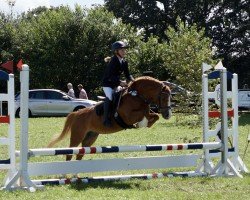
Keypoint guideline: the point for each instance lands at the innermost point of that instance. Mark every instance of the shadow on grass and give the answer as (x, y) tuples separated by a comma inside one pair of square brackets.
[(106, 184), (246, 174), (244, 118)]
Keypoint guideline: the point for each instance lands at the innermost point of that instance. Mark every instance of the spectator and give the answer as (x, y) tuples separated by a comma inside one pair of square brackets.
[(71, 91), (82, 92)]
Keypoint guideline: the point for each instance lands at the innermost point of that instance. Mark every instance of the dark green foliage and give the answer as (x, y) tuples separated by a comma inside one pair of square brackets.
[(6, 37), (63, 45), (225, 22)]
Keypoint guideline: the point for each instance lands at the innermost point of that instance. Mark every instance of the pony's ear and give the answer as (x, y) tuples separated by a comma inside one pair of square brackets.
[(168, 85)]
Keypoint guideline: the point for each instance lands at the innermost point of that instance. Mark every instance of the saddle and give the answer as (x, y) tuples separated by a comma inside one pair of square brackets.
[(99, 107)]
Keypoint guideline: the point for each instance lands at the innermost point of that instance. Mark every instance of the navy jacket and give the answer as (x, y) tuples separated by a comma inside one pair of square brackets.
[(113, 72)]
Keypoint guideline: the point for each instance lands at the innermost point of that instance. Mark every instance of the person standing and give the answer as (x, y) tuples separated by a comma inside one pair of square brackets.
[(111, 79), (71, 91), (82, 92)]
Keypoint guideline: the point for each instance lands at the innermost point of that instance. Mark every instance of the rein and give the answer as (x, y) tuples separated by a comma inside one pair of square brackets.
[(147, 101)]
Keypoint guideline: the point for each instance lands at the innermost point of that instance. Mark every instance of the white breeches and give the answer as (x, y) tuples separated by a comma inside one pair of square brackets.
[(109, 91)]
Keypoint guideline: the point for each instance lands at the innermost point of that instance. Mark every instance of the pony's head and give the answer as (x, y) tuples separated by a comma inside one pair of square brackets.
[(164, 102), (151, 90)]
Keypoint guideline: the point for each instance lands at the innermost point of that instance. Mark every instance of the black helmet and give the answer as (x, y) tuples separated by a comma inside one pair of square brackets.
[(118, 45)]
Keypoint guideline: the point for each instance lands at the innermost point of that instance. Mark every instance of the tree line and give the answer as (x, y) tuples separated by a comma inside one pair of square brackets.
[(226, 22), (62, 45)]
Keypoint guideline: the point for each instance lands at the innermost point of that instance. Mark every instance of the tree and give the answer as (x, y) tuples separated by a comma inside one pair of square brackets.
[(156, 15), (149, 56), (225, 22), (62, 46), (6, 38), (186, 50), (229, 29), (69, 46)]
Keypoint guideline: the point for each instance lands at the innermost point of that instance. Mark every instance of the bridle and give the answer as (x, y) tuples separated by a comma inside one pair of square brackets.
[(147, 101), (168, 107)]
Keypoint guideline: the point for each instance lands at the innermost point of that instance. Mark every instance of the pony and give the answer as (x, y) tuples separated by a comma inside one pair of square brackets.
[(133, 110)]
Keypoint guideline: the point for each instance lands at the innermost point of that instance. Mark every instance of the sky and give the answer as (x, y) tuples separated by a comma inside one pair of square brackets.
[(25, 5)]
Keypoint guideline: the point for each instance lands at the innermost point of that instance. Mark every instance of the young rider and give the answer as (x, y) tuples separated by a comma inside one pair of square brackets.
[(111, 79)]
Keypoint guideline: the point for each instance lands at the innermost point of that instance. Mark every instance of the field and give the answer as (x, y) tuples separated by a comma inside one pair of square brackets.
[(177, 130)]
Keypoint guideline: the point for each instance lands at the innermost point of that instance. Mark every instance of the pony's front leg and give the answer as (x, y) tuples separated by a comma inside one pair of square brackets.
[(152, 118)]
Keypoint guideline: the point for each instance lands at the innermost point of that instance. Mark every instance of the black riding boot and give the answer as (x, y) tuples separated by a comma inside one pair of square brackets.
[(107, 121)]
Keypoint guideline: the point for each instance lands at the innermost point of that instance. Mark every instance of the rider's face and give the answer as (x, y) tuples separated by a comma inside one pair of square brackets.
[(121, 52)]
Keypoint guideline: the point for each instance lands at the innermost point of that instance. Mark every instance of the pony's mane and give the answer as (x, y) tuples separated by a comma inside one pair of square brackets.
[(144, 78)]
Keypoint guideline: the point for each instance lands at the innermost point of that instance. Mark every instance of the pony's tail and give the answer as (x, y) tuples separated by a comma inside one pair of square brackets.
[(65, 131)]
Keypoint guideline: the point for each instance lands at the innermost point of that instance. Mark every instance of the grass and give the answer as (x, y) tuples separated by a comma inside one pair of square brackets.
[(41, 130)]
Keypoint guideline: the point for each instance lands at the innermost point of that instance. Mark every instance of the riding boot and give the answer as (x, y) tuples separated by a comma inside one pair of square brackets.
[(107, 121)]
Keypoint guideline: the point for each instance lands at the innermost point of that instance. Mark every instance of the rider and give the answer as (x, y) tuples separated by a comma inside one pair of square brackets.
[(111, 79)]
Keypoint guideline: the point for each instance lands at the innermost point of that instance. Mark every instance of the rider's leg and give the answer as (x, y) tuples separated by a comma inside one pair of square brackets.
[(107, 103)]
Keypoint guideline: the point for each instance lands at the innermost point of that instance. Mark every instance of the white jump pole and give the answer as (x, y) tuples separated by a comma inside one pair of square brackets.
[(120, 149)]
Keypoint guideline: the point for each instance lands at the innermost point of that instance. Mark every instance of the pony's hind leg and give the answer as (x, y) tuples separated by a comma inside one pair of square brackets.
[(77, 136), (89, 139)]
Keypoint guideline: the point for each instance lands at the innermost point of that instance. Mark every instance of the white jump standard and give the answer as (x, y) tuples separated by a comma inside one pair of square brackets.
[(19, 175), (8, 118)]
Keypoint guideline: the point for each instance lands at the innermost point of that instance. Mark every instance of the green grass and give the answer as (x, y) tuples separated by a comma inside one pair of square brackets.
[(41, 130)]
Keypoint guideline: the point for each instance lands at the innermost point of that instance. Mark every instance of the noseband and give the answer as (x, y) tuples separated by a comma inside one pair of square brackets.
[(147, 101)]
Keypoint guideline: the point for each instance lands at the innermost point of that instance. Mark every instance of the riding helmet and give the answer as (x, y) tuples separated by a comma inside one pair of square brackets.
[(118, 45)]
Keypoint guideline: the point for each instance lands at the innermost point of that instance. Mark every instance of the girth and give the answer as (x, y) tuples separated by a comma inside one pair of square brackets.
[(121, 123)]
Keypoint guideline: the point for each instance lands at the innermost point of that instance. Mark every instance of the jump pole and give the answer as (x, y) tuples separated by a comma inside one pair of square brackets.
[(99, 179), (119, 149)]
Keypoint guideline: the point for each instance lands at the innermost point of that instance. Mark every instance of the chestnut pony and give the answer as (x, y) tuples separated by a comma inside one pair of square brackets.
[(85, 125)]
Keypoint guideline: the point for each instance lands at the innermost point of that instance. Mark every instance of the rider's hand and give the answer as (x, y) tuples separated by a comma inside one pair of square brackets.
[(123, 84)]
